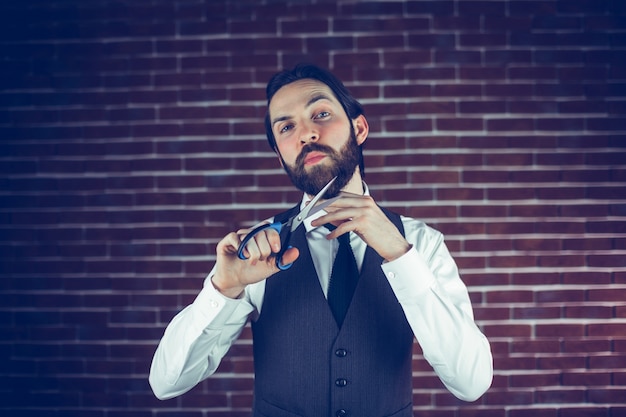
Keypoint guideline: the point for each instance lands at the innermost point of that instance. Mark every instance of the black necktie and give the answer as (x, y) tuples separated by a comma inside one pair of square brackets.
[(343, 278)]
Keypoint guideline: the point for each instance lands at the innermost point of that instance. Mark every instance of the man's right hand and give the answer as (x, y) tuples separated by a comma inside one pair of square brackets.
[(232, 274)]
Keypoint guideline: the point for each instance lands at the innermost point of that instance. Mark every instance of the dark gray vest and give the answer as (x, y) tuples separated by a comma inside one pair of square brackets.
[(306, 366)]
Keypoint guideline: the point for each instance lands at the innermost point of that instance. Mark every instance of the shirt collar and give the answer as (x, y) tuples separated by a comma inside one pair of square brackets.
[(306, 198)]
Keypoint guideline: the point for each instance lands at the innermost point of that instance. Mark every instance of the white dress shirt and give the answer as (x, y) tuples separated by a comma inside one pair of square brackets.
[(425, 280)]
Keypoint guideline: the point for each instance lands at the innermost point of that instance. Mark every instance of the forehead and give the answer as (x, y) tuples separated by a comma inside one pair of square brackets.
[(298, 94)]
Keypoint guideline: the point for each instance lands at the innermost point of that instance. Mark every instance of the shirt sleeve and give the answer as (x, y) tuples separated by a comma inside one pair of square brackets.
[(437, 307), (196, 340)]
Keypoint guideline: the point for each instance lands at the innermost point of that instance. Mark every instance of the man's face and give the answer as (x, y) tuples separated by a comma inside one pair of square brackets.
[(314, 137)]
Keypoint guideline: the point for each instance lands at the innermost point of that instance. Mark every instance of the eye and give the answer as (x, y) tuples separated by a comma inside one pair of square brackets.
[(286, 128), (322, 115)]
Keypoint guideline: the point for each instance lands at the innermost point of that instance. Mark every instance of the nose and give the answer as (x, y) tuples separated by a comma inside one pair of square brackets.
[(309, 134)]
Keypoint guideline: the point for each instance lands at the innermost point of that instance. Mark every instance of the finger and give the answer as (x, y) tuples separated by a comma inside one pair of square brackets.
[(273, 238), (351, 200), (337, 217), (234, 240), (262, 240), (290, 256), (230, 243), (251, 250), (341, 229)]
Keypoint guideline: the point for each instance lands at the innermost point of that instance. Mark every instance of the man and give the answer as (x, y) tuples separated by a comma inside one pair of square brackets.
[(309, 361)]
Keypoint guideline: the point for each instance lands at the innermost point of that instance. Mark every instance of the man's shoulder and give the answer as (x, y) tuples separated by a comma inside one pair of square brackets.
[(417, 225)]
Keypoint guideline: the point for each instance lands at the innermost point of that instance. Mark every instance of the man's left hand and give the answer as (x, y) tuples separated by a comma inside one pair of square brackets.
[(360, 214)]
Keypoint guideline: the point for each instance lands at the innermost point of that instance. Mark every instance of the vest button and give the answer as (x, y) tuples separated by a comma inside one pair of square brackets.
[(341, 413), (341, 382), (341, 353)]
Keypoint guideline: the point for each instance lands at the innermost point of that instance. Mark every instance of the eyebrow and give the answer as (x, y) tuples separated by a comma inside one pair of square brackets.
[(311, 101)]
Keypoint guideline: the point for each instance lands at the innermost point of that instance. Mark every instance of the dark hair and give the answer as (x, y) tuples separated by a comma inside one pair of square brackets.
[(308, 71)]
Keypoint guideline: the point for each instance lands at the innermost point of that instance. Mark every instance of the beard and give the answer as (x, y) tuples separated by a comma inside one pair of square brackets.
[(342, 165)]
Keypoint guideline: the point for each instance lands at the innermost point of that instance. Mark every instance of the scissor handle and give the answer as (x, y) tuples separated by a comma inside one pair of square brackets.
[(278, 226)]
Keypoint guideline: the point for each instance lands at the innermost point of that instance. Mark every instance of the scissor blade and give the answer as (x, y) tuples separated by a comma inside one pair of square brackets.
[(307, 211), (321, 206)]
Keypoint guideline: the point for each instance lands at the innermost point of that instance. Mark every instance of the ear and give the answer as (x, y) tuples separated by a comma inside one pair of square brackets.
[(361, 128)]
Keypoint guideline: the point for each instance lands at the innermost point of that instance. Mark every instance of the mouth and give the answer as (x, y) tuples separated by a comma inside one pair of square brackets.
[(313, 158)]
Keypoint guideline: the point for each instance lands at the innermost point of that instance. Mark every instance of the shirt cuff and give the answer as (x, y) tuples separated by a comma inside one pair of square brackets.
[(409, 275), (214, 308)]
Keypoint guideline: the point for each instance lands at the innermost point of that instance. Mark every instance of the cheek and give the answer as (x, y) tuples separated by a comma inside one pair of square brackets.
[(338, 137), (288, 152)]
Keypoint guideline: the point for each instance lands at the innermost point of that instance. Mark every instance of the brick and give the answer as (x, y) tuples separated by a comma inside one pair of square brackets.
[(510, 397), (607, 362), (512, 261), (536, 346), (536, 278), (408, 124), (454, 124), (388, 41), (606, 329), (537, 244), (373, 8), (431, 108), (309, 26), (560, 330), (489, 313), (561, 261), (359, 24), (485, 176), (589, 312), (459, 193), (602, 295), (424, 41), (543, 106), (536, 313), (469, 262), (616, 260), (584, 210), (496, 194), (586, 378), (457, 90), (402, 59), (535, 412), (457, 57), (584, 412), (508, 90), (514, 363), (560, 396), (586, 278), (431, 212), (611, 395), (507, 331), (535, 379), (605, 227), (458, 160), (484, 211), (569, 295), (407, 91)]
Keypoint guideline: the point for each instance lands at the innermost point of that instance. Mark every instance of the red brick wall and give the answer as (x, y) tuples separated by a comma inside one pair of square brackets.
[(132, 141)]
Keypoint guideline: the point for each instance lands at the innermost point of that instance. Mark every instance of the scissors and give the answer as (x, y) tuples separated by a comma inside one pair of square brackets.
[(292, 224)]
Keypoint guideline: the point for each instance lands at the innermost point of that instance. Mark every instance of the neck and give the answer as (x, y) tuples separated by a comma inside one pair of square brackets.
[(355, 185)]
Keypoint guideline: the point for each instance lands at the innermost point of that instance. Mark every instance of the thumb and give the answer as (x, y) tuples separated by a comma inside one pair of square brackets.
[(290, 256)]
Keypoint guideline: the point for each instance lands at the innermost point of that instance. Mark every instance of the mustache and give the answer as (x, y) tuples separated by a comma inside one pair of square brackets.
[(313, 147)]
